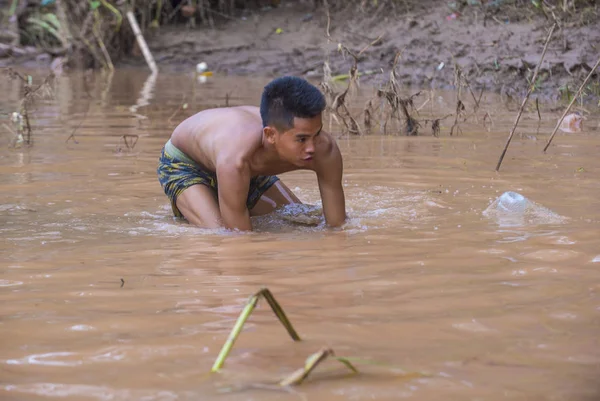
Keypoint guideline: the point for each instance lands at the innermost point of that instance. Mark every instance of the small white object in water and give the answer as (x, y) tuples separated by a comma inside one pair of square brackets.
[(81, 327), (596, 259), (201, 67), (202, 79)]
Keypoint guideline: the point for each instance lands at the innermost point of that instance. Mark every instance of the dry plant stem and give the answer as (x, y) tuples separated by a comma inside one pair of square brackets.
[(107, 58), (28, 97), (531, 87), (571, 104), (235, 332), (486, 117), (298, 376), (134, 140), (76, 128), (178, 109), (338, 107)]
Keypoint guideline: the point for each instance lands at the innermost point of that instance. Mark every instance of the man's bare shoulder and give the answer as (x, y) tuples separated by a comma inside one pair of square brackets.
[(329, 155), (239, 134), (329, 147), (227, 134), (225, 114)]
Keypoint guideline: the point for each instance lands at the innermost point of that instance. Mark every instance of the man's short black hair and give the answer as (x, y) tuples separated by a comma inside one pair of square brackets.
[(287, 97)]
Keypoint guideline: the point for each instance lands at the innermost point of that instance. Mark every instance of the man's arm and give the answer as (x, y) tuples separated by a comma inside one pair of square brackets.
[(329, 176), (233, 182)]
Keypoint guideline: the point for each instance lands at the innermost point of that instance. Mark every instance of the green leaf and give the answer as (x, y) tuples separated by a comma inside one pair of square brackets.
[(51, 18), (36, 22), (94, 4)]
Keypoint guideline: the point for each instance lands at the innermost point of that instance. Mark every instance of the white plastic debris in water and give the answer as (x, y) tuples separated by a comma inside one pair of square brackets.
[(513, 209), (572, 123), (201, 67), (512, 202)]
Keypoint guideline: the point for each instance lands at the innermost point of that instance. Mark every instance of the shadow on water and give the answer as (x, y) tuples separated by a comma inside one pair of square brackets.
[(106, 296)]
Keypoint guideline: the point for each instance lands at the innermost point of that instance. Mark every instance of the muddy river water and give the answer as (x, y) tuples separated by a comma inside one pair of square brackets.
[(105, 297)]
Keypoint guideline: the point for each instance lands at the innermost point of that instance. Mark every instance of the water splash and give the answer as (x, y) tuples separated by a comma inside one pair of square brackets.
[(512, 209)]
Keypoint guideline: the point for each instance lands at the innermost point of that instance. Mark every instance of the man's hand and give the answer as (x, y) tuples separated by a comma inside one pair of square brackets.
[(329, 175), (233, 180)]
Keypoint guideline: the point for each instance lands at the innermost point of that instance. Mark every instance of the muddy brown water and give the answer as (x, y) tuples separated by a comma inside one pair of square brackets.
[(418, 280)]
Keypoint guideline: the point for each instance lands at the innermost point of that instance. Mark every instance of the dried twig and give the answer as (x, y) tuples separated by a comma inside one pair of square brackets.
[(531, 87), (486, 117), (89, 96), (435, 124), (182, 106), (338, 101), (459, 81), (30, 93)]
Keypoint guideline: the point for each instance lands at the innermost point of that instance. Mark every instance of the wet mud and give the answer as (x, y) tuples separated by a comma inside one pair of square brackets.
[(498, 52)]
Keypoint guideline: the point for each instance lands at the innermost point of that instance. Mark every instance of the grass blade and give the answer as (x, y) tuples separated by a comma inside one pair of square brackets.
[(347, 363)]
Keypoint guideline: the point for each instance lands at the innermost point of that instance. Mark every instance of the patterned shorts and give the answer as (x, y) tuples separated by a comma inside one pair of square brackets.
[(177, 172)]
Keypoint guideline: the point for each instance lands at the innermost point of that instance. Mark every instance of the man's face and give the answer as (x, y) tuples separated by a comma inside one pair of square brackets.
[(297, 145)]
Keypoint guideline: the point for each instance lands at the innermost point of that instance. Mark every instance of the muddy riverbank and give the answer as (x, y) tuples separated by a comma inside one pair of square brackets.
[(499, 53), (497, 47)]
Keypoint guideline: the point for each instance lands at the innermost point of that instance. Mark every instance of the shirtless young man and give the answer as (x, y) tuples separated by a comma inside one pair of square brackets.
[(243, 149)]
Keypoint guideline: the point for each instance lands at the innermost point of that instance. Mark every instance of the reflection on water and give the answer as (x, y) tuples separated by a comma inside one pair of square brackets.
[(105, 296)]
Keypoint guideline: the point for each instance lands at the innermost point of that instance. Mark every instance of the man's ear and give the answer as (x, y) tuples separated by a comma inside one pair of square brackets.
[(270, 134)]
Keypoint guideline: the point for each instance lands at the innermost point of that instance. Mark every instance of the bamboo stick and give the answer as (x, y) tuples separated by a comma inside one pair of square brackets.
[(142, 42), (531, 87)]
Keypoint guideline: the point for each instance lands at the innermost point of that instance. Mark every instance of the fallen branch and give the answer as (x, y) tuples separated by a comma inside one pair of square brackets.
[(571, 104), (531, 87)]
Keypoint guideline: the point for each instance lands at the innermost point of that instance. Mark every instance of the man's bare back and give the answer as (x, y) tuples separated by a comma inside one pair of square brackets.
[(234, 133), (245, 147)]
